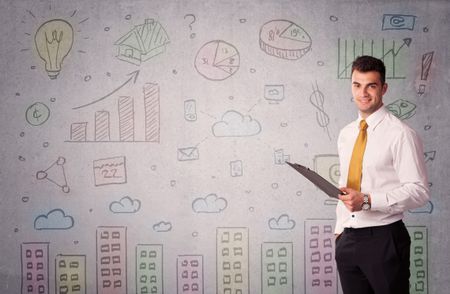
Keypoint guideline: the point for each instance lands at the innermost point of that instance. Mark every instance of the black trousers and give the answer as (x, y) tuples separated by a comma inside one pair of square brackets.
[(374, 260)]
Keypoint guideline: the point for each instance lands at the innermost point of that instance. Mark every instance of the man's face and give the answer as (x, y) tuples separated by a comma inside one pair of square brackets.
[(367, 91)]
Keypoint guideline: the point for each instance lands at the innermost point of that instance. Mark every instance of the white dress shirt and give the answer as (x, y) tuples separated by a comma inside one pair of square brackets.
[(393, 171)]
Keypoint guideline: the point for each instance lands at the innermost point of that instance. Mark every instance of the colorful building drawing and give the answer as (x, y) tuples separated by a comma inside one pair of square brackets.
[(190, 274), (277, 268), (418, 281), (320, 268), (35, 271), (111, 260), (70, 274), (142, 42), (232, 260), (149, 269)]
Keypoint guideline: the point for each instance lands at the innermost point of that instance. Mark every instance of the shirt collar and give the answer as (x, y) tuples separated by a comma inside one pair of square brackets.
[(375, 118)]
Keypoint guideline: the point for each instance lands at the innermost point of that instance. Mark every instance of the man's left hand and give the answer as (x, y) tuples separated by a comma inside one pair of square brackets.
[(352, 199)]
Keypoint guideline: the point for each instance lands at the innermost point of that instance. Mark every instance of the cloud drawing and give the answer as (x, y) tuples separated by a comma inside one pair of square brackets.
[(234, 124), (125, 205), (56, 219), (162, 226), (282, 223), (209, 204)]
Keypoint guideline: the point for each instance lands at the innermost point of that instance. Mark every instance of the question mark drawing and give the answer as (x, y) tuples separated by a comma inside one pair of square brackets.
[(191, 23)]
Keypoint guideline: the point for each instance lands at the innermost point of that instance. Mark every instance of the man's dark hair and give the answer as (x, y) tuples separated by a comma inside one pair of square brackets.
[(368, 63)]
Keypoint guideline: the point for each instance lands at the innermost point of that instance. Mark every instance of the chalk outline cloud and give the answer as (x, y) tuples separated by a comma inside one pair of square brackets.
[(125, 205), (55, 219), (162, 226), (282, 223), (234, 124), (210, 204)]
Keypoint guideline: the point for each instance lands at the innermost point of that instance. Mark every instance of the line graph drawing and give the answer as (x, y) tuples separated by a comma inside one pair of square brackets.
[(391, 52), (133, 77)]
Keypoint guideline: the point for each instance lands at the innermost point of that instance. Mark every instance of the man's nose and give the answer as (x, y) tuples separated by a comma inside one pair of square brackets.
[(364, 91)]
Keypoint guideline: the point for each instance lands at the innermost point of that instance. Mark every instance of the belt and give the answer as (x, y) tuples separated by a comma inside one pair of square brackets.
[(375, 230)]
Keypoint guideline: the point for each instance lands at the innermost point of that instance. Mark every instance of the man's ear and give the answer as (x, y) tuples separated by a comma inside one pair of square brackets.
[(385, 87)]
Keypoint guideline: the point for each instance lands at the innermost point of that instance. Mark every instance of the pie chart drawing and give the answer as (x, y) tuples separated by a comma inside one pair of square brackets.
[(217, 60), (284, 39)]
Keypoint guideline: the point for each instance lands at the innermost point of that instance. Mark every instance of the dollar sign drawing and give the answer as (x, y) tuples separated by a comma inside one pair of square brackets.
[(317, 100)]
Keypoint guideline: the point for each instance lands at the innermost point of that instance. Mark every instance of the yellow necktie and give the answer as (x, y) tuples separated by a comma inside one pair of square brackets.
[(355, 168)]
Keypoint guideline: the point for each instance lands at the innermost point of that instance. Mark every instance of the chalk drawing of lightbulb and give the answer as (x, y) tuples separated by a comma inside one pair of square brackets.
[(54, 40)]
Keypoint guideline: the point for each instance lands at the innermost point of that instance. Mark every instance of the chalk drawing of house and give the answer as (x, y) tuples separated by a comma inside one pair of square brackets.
[(142, 42)]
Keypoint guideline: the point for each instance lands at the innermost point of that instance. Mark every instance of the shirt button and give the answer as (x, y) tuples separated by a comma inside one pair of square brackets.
[(353, 215)]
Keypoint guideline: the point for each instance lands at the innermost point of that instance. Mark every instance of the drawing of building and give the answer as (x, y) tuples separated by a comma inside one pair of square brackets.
[(149, 269), (190, 274), (418, 281), (35, 271), (232, 260), (320, 268), (142, 42), (111, 260), (70, 274), (277, 268)]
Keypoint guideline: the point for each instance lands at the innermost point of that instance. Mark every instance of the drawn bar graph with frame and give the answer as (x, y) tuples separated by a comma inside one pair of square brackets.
[(131, 127), (391, 52)]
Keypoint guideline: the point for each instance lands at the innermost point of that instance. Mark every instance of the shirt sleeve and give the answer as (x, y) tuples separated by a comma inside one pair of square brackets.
[(409, 165)]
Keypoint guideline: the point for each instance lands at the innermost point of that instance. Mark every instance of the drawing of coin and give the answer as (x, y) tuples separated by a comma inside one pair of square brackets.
[(37, 114), (217, 60), (335, 173), (284, 39)]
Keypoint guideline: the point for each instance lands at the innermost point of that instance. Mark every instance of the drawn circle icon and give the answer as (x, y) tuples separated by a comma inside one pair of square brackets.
[(334, 173), (284, 39), (37, 114), (217, 60)]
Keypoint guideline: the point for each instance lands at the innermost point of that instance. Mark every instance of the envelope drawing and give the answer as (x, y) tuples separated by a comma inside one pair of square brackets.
[(188, 153)]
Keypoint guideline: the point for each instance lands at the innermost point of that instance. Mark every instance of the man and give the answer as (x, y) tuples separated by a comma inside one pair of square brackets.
[(382, 176)]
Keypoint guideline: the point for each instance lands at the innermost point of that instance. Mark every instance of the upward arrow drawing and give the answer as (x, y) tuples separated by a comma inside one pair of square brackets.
[(133, 77), (406, 41)]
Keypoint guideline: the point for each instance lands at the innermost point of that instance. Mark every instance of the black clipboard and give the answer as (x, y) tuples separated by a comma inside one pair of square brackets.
[(327, 187)]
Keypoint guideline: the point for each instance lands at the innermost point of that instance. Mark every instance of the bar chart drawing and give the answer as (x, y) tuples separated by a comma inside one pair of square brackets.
[(136, 120), (391, 52)]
